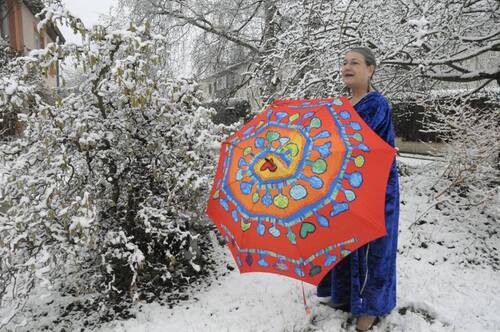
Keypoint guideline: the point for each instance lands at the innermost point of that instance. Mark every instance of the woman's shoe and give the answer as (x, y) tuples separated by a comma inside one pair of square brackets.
[(366, 322), (337, 306)]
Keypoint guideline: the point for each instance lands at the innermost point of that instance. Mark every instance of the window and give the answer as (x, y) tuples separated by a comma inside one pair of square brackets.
[(4, 20)]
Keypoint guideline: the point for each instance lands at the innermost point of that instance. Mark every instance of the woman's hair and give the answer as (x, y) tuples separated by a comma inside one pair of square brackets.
[(367, 54)]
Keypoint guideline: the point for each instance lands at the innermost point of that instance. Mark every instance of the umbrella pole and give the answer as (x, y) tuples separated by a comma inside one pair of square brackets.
[(306, 306)]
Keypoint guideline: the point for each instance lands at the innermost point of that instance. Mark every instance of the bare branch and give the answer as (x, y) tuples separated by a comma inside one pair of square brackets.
[(480, 38), (204, 24), (495, 47), (466, 77)]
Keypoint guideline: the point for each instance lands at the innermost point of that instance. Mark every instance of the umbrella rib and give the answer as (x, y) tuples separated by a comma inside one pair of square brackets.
[(226, 142)]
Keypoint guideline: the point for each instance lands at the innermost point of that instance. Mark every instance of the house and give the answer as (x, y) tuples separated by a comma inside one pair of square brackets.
[(18, 25), (232, 82)]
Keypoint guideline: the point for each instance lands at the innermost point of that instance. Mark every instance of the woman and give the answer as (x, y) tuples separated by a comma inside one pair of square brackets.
[(364, 283)]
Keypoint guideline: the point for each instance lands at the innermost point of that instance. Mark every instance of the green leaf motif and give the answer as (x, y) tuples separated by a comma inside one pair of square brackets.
[(293, 117), (306, 228), (272, 136)]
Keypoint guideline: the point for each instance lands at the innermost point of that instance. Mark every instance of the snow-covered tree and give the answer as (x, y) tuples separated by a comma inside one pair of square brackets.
[(105, 187), (469, 129), (451, 41), (298, 43), (225, 32), (421, 46), (7, 119)]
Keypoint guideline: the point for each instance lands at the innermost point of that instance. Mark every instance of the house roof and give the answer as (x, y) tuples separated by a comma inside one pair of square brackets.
[(36, 6)]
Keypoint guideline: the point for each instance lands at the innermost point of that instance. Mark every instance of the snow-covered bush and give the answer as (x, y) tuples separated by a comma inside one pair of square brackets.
[(9, 90), (105, 187), (469, 128)]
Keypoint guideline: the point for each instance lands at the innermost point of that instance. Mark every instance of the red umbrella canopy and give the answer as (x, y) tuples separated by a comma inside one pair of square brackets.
[(299, 187)]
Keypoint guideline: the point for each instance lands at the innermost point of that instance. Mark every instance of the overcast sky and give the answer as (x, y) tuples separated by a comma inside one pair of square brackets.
[(88, 11)]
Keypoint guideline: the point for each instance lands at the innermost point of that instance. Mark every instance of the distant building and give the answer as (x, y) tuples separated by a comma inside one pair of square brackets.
[(18, 25), (232, 82)]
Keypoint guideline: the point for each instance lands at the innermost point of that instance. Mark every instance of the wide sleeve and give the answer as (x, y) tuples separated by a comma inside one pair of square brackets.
[(379, 118)]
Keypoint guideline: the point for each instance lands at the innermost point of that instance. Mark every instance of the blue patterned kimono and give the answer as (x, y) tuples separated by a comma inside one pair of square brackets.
[(365, 281)]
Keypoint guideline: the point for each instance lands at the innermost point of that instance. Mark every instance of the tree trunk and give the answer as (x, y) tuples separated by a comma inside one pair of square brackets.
[(271, 80)]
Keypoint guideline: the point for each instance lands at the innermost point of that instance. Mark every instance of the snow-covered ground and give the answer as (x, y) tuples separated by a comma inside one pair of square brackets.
[(448, 278)]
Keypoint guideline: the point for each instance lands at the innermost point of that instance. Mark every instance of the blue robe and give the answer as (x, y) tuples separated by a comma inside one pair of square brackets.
[(365, 281)]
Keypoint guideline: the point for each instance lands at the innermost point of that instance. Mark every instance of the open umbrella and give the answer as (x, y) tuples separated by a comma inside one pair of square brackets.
[(299, 187)]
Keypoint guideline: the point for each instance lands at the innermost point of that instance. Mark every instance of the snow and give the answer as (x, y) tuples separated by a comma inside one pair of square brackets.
[(235, 302), (421, 26), (437, 289), (11, 88), (438, 298), (416, 160), (81, 221), (422, 22), (447, 281)]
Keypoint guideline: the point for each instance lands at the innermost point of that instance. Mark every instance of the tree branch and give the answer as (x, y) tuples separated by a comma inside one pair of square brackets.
[(480, 38), (202, 23), (466, 77), (494, 46)]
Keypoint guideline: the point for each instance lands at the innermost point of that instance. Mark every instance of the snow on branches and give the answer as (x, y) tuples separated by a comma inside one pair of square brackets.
[(108, 180), (469, 128)]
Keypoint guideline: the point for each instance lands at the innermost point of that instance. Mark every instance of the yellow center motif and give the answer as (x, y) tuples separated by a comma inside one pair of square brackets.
[(284, 162)]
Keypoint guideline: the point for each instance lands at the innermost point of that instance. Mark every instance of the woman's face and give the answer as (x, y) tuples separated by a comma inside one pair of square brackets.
[(355, 72)]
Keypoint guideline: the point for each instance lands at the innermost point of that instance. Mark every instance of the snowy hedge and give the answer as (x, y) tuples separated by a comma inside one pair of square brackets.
[(105, 188)]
